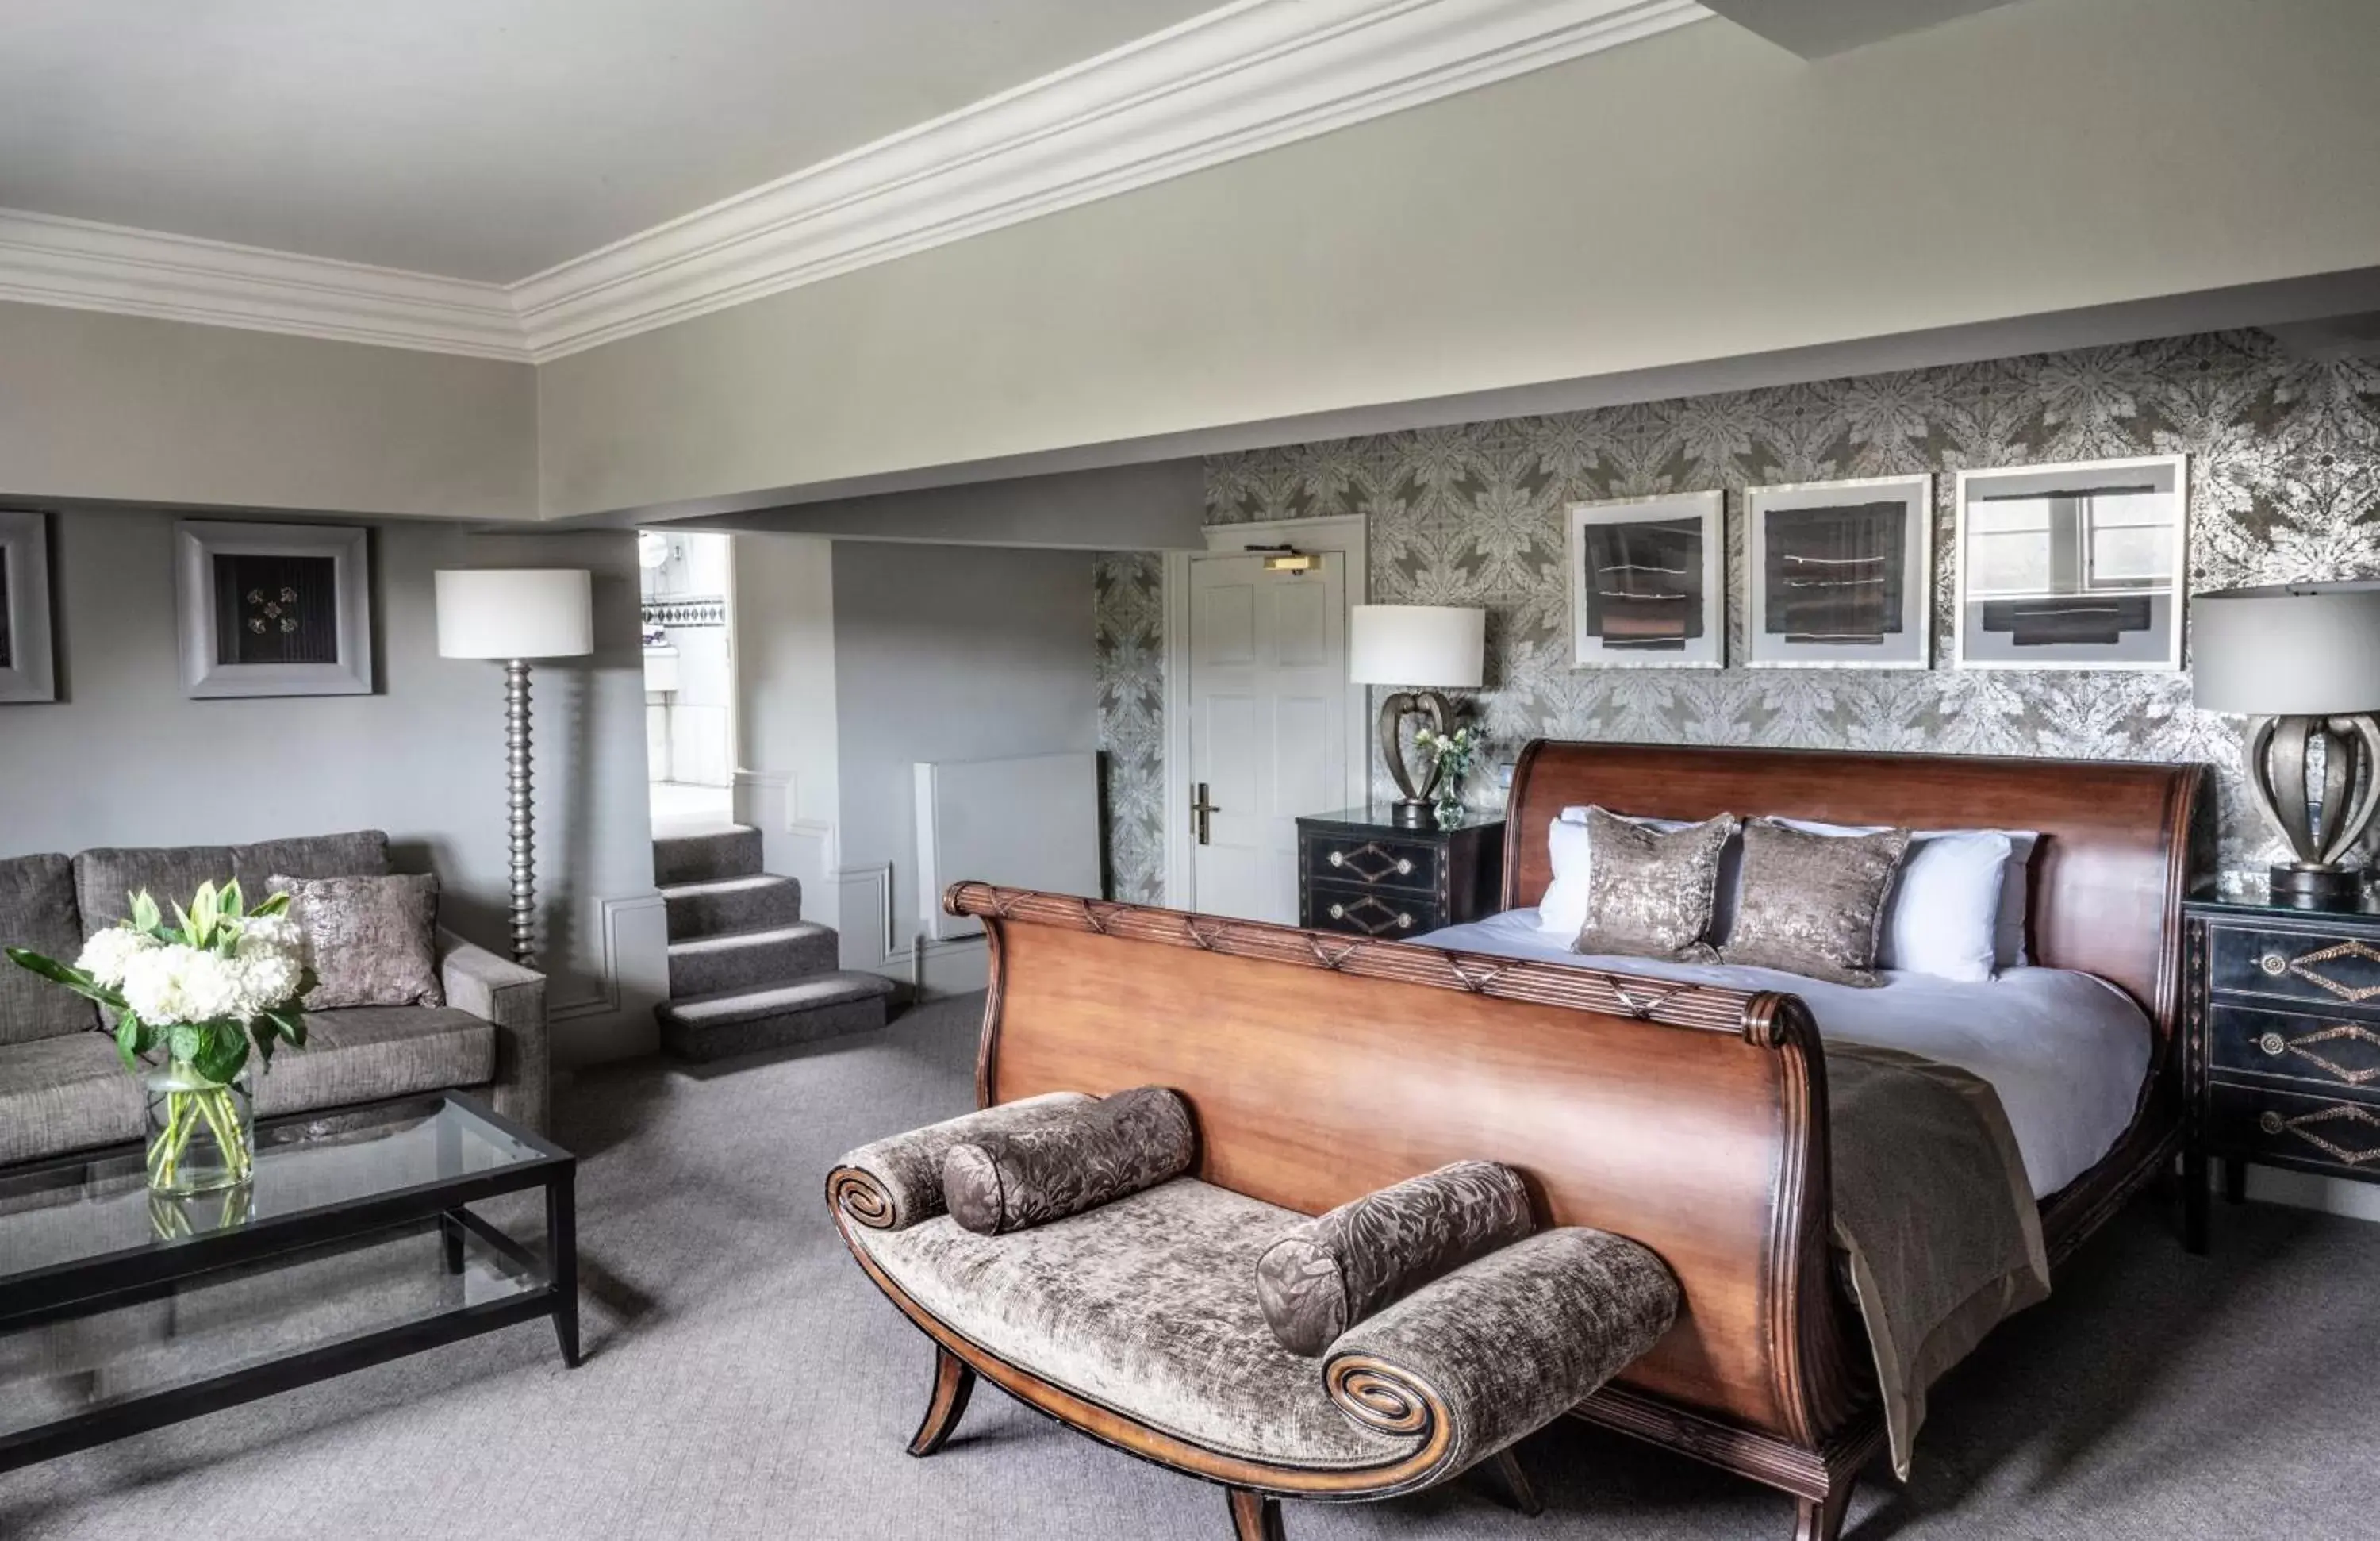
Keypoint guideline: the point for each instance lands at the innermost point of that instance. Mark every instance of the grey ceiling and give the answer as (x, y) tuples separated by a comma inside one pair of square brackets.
[(1814, 29), (485, 139)]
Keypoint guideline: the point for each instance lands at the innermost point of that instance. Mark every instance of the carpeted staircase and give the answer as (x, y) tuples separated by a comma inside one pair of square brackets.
[(746, 972)]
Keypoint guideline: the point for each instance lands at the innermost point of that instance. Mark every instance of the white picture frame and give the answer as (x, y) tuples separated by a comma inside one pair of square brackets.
[(1613, 627), (272, 609), (1861, 537), (28, 644), (2081, 564)]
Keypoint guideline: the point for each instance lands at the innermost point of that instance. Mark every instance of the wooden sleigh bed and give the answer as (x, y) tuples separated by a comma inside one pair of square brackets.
[(1693, 1119)]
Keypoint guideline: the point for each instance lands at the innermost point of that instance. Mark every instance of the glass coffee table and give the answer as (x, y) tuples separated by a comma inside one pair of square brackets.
[(357, 1242)]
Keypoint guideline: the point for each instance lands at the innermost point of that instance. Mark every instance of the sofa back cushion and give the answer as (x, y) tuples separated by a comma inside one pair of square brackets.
[(359, 853), (37, 910), (106, 879)]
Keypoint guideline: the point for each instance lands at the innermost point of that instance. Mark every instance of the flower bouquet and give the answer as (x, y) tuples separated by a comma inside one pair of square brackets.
[(1452, 753), (199, 991)]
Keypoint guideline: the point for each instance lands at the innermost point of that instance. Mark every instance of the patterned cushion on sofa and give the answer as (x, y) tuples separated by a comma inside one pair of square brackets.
[(37, 910)]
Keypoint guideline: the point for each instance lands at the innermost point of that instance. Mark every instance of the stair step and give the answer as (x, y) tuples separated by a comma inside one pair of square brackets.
[(700, 854), (709, 909), (743, 960), (775, 1016)]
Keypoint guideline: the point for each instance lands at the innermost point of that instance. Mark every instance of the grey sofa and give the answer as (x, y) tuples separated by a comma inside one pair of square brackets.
[(63, 1088)]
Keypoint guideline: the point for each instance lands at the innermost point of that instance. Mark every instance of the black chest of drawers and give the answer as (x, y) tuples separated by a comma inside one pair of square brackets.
[(1360, 874), (2282, 1021)]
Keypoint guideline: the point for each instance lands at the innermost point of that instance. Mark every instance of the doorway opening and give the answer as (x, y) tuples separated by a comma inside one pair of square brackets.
[(687, 591)]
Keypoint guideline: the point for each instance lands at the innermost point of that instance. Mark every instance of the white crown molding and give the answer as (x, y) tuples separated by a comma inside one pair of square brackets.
[(48, 260), (1249, 77)]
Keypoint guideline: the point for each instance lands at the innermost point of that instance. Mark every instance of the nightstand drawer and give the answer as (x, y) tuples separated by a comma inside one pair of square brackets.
[(2294, 1129), (2326, 968), (1374, 861), (1367, 912), (2331, 1051)]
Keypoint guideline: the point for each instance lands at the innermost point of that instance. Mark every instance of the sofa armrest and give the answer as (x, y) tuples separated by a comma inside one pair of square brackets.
[(1504, 1345), (893, 1183), (512, 999)]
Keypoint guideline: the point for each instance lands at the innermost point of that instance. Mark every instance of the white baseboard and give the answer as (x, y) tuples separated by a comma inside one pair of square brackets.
[(2303, 1190), (617, 1021)]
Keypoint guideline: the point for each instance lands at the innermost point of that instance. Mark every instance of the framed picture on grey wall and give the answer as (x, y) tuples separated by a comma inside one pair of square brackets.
[(28, 668), (273, 610), (2073, 567), (1647, 582), (1839, 574)]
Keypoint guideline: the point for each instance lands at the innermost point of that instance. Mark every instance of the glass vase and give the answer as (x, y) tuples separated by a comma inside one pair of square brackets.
[(201, 1132)]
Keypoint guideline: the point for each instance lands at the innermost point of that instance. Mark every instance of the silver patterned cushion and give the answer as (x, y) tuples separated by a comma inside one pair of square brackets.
[(373, 940), (1812, 904), (1093, 1154), (1650, 894), (1342, 1266)]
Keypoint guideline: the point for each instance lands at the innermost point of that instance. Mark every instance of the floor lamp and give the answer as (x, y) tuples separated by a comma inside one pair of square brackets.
[(516, 615)]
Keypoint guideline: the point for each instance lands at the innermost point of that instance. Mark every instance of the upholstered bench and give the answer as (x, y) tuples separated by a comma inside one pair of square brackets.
[(1138, 1322)]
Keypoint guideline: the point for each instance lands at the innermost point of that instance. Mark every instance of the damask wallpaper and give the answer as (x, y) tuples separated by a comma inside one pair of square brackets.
[(2283, 484)]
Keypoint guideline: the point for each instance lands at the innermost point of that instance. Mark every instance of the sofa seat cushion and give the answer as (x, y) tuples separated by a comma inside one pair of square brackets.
[(37, 911), (366, 1053), (64, 1094), (1146, 1305)]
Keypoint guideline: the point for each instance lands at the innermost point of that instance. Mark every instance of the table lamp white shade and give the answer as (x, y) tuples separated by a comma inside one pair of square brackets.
[(1434, 646), (516, 613), (2289, 650)]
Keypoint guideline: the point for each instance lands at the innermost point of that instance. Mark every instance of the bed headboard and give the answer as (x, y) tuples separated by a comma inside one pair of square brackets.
[(2107, 880)]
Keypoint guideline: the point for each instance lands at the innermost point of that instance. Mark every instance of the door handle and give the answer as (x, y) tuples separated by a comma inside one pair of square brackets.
[(1200, 811)]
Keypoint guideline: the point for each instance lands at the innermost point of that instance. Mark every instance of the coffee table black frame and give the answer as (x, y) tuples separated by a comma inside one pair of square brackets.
[(105, 1282)]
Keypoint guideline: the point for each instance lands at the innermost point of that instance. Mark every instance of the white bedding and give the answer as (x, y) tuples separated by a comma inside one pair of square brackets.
[(2067, 1052)]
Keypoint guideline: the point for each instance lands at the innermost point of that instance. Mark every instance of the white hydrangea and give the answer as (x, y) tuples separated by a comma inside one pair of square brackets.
[(106, 956), (169, 984), (261, 934)]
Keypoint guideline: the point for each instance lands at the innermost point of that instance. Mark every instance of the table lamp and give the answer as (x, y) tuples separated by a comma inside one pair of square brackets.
[(516, 615), (2301, 662), (1438, 646)]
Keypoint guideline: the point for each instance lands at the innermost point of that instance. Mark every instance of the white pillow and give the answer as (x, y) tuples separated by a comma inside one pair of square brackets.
[(1563, 912), (1944, 914)]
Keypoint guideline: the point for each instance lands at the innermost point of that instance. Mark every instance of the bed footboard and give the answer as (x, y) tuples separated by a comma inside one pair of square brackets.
[(1321, 1067)]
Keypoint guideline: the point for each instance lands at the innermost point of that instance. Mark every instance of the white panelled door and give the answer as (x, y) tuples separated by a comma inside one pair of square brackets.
[(1269, 724)]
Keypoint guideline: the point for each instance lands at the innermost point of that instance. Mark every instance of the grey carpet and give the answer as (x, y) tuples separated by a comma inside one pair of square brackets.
[(744, 1380)]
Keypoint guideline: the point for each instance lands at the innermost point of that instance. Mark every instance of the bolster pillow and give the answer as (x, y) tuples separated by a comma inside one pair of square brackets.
[(1337, 1268), (895, 1182), (1096, 1153)]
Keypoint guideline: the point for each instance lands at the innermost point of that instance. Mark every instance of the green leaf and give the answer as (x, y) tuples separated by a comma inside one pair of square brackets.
[(274, 903), (184, 1040), (181, 930), (74, 979), (204, 912), (144, 912), (228, 904), (222, 1050), (127, 1040), (292, 1024)]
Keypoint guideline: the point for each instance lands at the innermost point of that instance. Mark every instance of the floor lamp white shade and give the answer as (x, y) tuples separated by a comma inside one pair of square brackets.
[(516, 615)]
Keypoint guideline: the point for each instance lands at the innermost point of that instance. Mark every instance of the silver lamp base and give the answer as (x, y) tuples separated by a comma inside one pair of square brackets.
[(1412, 811), (2321, 825), (520, 822)]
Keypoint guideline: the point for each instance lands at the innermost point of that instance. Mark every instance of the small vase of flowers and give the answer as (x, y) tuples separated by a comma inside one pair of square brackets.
[(1452, 753), (197, 995)]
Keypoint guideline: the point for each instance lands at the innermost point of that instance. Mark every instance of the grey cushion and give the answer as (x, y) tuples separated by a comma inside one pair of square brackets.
[(361, 853), (373, 940), (904, 1172), (1145, 1305), (365, 1053), (64, 1094), (37, 911), (1338, 1267), (107, 877), (1008, 1179), (1650, 894), (1812, 904)]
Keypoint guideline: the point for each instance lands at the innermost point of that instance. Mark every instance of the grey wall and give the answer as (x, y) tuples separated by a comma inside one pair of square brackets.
[(130, 410), (946, 652), (126, 759)]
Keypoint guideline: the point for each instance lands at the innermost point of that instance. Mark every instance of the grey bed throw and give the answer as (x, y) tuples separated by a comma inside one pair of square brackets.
[(1935, 1217)]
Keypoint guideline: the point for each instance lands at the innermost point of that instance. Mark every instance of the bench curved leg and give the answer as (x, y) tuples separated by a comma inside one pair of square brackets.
[(1254, 1516), (1822, 1519), (952, 1382), (1519, 1494)]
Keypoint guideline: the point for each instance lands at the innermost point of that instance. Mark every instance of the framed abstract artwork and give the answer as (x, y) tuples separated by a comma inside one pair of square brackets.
[(1647, 582), (1839, 574), (28, 667), (273, 610), (2073, 567)]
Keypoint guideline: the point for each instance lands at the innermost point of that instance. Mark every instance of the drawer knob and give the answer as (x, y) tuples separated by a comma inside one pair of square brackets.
[(2271, 1043), (2270, 1123), (1404, 921), (1338, 858), (1404, 864), (2274, 965), (1338, 912)]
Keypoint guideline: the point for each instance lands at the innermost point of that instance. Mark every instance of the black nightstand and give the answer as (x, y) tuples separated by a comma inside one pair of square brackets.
[(1359, 873), (2282, 1018)]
